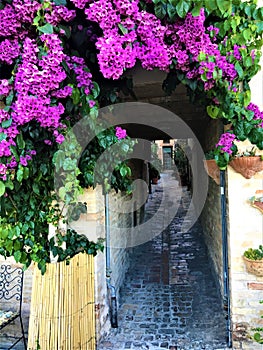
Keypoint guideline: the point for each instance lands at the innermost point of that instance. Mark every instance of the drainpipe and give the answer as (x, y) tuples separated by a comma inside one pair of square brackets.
[(110, 287), (225, 257)]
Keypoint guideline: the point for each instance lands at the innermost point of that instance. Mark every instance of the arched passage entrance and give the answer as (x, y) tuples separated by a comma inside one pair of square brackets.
[(195, 116)]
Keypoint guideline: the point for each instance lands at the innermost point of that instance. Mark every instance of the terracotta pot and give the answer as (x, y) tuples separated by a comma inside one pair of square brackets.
[(254, 266), (247, 166), (212, 170)]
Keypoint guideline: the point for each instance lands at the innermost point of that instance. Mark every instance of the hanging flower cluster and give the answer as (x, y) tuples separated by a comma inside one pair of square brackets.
[(225, 142), (36, 89), (258, 116), (193, 43), (120, 133), (130, 34)]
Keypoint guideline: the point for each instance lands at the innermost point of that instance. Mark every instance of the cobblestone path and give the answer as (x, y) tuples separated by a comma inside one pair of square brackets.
[(169, 299)]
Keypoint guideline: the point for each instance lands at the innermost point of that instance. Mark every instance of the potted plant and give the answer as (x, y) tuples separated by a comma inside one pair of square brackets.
[(253, 258), (226, 153), (247, 163), (258, 335), (257, 200)]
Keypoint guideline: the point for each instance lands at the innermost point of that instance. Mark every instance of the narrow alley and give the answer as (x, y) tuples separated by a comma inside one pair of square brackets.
[(170, 299)]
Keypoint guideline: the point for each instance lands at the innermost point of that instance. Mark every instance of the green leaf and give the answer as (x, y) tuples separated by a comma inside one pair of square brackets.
[(259, 27), (224, 5), (6, 123), (95, 90), (47, 29), (248, 10), (257, 337), (201, 56), (75, 96), (9, 98), (43, 169), (3, 136), (233, 25), (239, 131), (212, 111), (9, 246), (35, 188), (58, 159), (69, 164), (122, 28), (88, 178), (256, 137), (210, 5), (26, 173), (247, 34), (17, 255), (20, 174), (60, 2), (192, 84), (125, 147), (36, 20), (171, 10), (248, 61), (62, 192), (214, 74), (182, 8), (9, 184), (2, 188), (247, 98), (23, 258), (3, 233), (14, 152), (20, 141), (160, 10), (197, 7), (123, 171), (203, 77), (239, 70)]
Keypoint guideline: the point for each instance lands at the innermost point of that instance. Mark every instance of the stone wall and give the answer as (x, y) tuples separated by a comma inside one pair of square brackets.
[(212, 228), (211, 214), (245, 230)]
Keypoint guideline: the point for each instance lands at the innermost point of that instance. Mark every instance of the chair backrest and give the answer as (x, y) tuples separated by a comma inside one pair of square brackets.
[(11, 287)]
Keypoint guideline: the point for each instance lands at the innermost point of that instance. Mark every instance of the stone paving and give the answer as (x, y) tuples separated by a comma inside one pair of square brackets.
[(169, 299)]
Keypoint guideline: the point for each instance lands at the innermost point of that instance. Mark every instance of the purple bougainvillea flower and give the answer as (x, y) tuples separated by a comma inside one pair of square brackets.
[(120, 133), (226, 142)]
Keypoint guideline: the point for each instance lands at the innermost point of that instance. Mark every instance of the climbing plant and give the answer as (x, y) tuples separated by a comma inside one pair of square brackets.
[(60, 60)]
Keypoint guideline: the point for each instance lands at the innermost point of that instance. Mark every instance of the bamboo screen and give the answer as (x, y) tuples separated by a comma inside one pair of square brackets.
[(62, 315)]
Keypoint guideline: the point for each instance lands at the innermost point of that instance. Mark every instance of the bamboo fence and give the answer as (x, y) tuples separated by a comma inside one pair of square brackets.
[(62, 315)]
